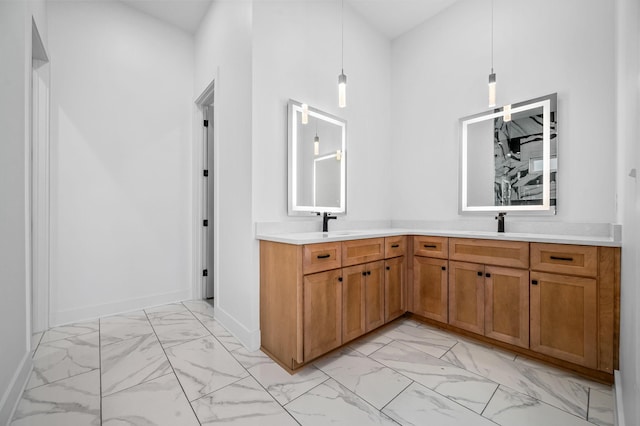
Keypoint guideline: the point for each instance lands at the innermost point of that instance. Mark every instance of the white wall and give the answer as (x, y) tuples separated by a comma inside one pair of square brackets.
[(628, 107), (296, 54), (440, 72), (15, 45), (120, 160), (223, 53)]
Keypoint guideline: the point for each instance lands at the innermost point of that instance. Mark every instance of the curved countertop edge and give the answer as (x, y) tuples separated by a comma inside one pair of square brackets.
[(302, 238)]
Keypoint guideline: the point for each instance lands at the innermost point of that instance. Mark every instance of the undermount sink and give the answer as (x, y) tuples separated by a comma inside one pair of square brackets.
[(341, 233)]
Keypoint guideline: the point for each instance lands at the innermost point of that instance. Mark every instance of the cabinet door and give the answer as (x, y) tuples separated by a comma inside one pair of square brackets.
[(322, 313), (394, 288), (563, 317), (374, 295), (506, 299), (430, 293), (466, 296), (353, 302)]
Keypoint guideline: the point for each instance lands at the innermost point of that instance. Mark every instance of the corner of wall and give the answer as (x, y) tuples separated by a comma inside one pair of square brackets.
[(11, 397)]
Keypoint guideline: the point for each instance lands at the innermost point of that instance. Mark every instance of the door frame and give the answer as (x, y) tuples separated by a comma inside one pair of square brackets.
[(200, 243)]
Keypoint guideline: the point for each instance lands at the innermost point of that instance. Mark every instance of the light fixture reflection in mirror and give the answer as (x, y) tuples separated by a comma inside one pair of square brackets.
[(509, 158), (317, 162)]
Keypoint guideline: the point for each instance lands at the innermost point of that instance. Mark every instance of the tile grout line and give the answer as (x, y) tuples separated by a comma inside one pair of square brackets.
[(253, 377), (489, 400), (173, 369)]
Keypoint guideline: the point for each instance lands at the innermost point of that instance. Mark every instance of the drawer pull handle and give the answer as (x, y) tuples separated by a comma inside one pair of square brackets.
[(395, 245), (534, 282), (488, 275), (324, 256), (479, 273), (444, 268), (388, 268), (430, 246), (566, 259)]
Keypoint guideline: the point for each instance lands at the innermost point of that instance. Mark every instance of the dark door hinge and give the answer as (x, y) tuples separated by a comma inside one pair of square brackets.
[(205, 222), (205, 273), (205, 173), (206, 123)]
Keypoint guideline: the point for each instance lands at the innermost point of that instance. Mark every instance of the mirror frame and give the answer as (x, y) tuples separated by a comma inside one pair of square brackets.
[(548, 104), (295, 108)]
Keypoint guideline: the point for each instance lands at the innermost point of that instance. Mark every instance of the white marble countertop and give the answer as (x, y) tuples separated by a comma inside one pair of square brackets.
[(301, 238)]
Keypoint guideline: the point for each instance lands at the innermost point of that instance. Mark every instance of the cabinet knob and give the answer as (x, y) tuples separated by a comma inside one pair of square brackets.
[(488, 275), (444, 268), (368, 272), (340, 279), (388, 268), (364, 274), (479, 273), (534, 282)]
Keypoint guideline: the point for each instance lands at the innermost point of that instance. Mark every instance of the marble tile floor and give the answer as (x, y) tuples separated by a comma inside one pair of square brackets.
[(176, 365)]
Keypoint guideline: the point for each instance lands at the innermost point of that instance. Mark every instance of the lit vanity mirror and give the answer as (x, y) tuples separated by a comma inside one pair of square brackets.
[(317, 161), (509, 158)]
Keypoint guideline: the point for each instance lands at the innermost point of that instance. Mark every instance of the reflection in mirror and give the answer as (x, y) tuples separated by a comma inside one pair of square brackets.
[(509, 163), (317, 161)]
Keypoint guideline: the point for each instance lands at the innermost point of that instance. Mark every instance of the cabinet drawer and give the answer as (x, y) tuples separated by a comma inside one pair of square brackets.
[(490, 252), (395, 246), (565, 259), (362, 251), (431, 246), (321, 257)]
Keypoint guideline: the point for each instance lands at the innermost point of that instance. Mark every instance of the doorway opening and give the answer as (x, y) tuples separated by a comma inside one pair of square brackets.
[(38, 192), (205, 199)]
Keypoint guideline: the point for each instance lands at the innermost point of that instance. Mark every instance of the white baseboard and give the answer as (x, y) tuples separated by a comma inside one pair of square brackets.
[(12, 395), (250, 339), (618, 410), (96, 311)]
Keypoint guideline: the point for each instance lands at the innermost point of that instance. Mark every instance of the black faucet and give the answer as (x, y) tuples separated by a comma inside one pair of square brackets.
[(325, 221), (500, 219)]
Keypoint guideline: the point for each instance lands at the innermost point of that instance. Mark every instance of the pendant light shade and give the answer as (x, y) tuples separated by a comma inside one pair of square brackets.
[(342, 90), (338, 155), (492, 89), (305, 114), (316, 145)]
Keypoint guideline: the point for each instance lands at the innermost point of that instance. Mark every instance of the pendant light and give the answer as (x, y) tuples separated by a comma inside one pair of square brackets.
[(338, 155), (316, 142), (342, 78), (305, 114), (492, 76)]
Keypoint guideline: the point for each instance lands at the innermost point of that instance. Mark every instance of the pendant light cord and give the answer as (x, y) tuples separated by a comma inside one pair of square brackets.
[(492, 36), (342, 38)]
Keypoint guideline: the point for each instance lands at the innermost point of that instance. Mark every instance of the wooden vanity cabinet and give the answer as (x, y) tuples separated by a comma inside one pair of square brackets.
[(429, 277), (430, 288), (395, 299), (317, 297), (323, 312), (573, 303), (490, 299), (557, 302), (363, 299)]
